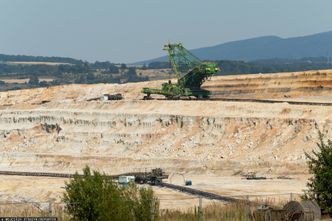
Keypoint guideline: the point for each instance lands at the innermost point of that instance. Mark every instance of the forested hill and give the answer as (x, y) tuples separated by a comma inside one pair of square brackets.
[(266, 47), (27, 58)]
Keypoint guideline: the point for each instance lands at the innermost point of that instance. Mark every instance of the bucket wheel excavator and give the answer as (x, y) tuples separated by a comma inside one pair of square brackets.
[(190, 72)]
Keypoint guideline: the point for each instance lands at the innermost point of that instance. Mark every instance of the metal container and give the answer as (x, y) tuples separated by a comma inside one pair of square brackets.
[(126, 179), (302, 211), (188, 182)]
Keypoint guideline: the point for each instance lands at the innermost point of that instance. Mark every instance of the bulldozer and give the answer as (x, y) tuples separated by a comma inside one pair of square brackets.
[(190, 72)]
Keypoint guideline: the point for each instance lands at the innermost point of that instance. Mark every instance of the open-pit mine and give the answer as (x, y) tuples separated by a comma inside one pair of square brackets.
[(212, 142)]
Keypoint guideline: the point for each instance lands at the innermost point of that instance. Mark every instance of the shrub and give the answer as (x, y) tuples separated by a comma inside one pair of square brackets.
[(320, 165), (94, 196)]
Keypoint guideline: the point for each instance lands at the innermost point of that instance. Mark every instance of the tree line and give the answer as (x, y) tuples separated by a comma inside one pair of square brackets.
[(229, 67), (27, 58), (82, 73)]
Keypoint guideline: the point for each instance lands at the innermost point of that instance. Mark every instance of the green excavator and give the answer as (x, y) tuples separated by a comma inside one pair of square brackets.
[(190, 72)]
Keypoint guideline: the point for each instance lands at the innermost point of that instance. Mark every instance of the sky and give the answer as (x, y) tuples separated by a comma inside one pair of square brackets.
[(127, 31)]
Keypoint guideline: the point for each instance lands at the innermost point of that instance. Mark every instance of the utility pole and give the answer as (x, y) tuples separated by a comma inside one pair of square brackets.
[(291, 197), (200, 210), (248, 211), (328, 58), (50, 208), (152, 210)]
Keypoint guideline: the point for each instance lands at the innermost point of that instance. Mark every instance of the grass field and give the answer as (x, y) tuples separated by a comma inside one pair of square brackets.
[(212, 212)]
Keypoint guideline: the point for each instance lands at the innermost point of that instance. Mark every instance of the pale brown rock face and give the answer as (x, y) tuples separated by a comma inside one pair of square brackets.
[(56, 129)]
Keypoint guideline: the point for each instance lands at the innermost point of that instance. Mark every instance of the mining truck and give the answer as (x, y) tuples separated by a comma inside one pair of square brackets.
[(154, 177), (190, 72)]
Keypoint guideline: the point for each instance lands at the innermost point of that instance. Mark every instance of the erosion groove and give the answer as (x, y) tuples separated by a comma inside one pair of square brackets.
[(272, 86), (253, 124), (145, 141)]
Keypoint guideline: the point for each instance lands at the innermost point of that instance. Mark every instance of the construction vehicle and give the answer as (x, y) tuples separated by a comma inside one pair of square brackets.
[(154, 177), (190, 72), (107, 97), (186, 182)]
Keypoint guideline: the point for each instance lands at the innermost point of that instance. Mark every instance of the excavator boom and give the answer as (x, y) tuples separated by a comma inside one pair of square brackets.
[(190, 72), (181, 59)]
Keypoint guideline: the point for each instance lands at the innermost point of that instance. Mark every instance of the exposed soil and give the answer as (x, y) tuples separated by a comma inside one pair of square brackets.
[(213, 142)]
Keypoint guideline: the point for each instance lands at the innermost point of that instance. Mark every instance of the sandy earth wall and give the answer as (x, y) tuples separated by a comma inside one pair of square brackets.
[(235, 138), (212, 142)]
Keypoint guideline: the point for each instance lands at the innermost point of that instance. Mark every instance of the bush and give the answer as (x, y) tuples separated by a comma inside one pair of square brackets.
[(215, 211), (320, 165), (33, 80), (94, 196)]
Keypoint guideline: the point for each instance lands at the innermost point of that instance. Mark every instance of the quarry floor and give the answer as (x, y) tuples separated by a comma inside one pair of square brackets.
[(212, 143), (41, 189)]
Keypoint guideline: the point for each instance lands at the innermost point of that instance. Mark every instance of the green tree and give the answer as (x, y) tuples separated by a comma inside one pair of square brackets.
[(320, 165), (94, 196), (90, 78), (132, 75), (123, 67), (114, 69), (145, 202), (33, 80)]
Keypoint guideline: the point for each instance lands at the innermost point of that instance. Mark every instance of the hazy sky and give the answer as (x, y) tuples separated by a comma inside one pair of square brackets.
[(135, 30)]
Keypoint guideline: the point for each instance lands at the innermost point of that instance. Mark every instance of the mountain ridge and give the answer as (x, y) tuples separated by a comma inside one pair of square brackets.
[(266, 47)]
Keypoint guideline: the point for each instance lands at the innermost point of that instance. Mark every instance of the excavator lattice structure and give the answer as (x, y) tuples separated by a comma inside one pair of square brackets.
[(190, 72)]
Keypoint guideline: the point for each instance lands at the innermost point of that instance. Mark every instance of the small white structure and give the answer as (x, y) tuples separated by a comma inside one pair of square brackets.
[(104, 97), (126, 179)]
